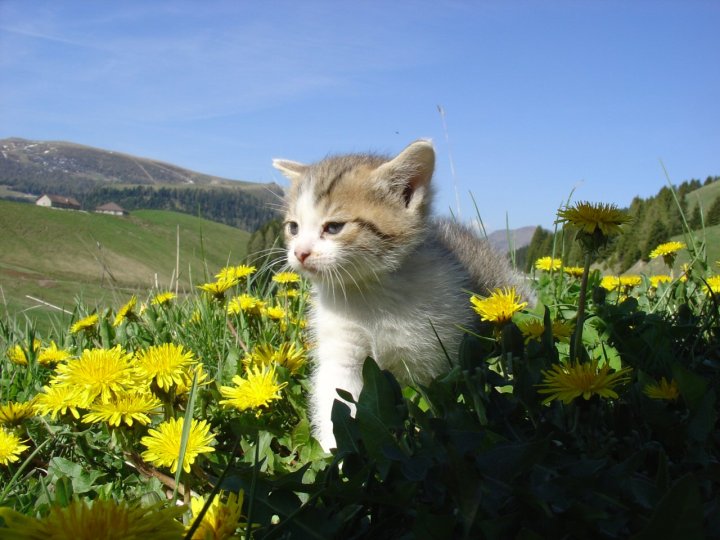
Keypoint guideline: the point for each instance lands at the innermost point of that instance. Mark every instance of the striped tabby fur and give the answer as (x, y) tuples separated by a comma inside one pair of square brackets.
[(385, 275)]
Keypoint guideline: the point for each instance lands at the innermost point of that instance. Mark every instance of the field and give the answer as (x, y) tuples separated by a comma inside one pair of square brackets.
[(593, 414), (58, 256)]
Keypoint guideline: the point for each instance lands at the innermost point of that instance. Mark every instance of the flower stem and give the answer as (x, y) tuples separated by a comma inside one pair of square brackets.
[(577, 343)]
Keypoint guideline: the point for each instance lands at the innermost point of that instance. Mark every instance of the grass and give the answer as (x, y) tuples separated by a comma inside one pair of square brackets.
[(58, 256)]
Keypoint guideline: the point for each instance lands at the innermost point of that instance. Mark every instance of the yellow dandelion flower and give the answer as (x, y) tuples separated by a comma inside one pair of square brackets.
[(14, 413), (610, 283), (125, 312), (165, 364), (662, 390), (58, 399), (17, 355), (100, 518), (221, 519), (235, 273), (630, 281), (534, 329), (567, 382), (574, 271), (590, 218), (52, 355), (163, 443), (245, 303), (655, 281), (276, 313), (713, 284), (667, 249), (219, 287), (285, 278), (499, 307), (10, 447), (124, 408), (186, 379), (162, 299), (548, 264), (289, 355), (255, 391), (196, 317), (87, 323), (98, 373), (285, 294)]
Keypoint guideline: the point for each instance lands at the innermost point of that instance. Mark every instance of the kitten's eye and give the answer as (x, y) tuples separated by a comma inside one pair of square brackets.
[(292, 228), (333, 227)]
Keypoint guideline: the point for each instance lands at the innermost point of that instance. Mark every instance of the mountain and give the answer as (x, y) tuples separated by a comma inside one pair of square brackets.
[(94, 176), (519, 238)]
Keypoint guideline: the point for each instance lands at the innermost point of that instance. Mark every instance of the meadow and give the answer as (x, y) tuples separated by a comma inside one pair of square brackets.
[(50, 260), (591, 415)]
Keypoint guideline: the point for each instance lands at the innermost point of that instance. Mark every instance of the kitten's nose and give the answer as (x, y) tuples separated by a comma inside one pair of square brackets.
[(301, 255)]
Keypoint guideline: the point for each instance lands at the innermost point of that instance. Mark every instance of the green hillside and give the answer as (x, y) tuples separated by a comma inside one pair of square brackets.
[(55, 256)]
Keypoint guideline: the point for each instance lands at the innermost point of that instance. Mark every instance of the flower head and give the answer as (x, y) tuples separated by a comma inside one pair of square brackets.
[(126, 311), (288, 355), (17, 355), (163, 443), (668, 251), (286, 277), (52, 355), (713, 283), (595, 222), (234, 273), (245, 303), (165, 364), (58, 399), (657, 280), (10, 447), (610, 283), (499, 307), (91, 520), (86, 323), (124, 408), (574, 271), (13, 413), (162, 299), (548, 264), (255, 391), (663, 390), (567, 382), (533, 329), (98, 373), (221, 519), (218, 288)]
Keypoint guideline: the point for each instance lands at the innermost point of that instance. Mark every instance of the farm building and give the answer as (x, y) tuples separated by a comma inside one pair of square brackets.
[(58, 201), (112, 209)]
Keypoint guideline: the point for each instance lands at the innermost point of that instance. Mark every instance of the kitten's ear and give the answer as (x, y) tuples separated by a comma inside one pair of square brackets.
[(411, 170), (292, 170)]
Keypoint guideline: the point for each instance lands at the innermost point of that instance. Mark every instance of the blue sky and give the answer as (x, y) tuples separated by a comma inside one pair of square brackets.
[(539, 98)]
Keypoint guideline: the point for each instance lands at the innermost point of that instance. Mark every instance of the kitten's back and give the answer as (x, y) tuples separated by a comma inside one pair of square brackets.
[(487, 268)]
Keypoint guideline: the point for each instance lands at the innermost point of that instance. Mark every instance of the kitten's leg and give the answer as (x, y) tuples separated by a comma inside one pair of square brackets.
[(338, 365)]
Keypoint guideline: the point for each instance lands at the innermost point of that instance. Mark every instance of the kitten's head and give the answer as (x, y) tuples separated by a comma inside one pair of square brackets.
[(354, 217)]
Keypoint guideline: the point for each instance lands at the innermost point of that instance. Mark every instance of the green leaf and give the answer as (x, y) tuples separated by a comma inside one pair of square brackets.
[(679, 514), (692, 387)]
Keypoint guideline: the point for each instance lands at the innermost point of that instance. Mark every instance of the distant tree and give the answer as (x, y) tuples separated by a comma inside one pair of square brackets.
[(713, 215), (538, 247), (657, 235), (695, 221)]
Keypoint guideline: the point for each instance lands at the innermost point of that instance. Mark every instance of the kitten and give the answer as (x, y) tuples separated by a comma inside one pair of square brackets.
[(385, 276)]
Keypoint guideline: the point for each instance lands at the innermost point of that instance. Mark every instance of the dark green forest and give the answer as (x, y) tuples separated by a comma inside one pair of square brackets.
[(654, 220)]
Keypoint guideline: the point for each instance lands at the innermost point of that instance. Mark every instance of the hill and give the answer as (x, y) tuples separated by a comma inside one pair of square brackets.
[(95, 176), (56, 255), (653, 221)]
